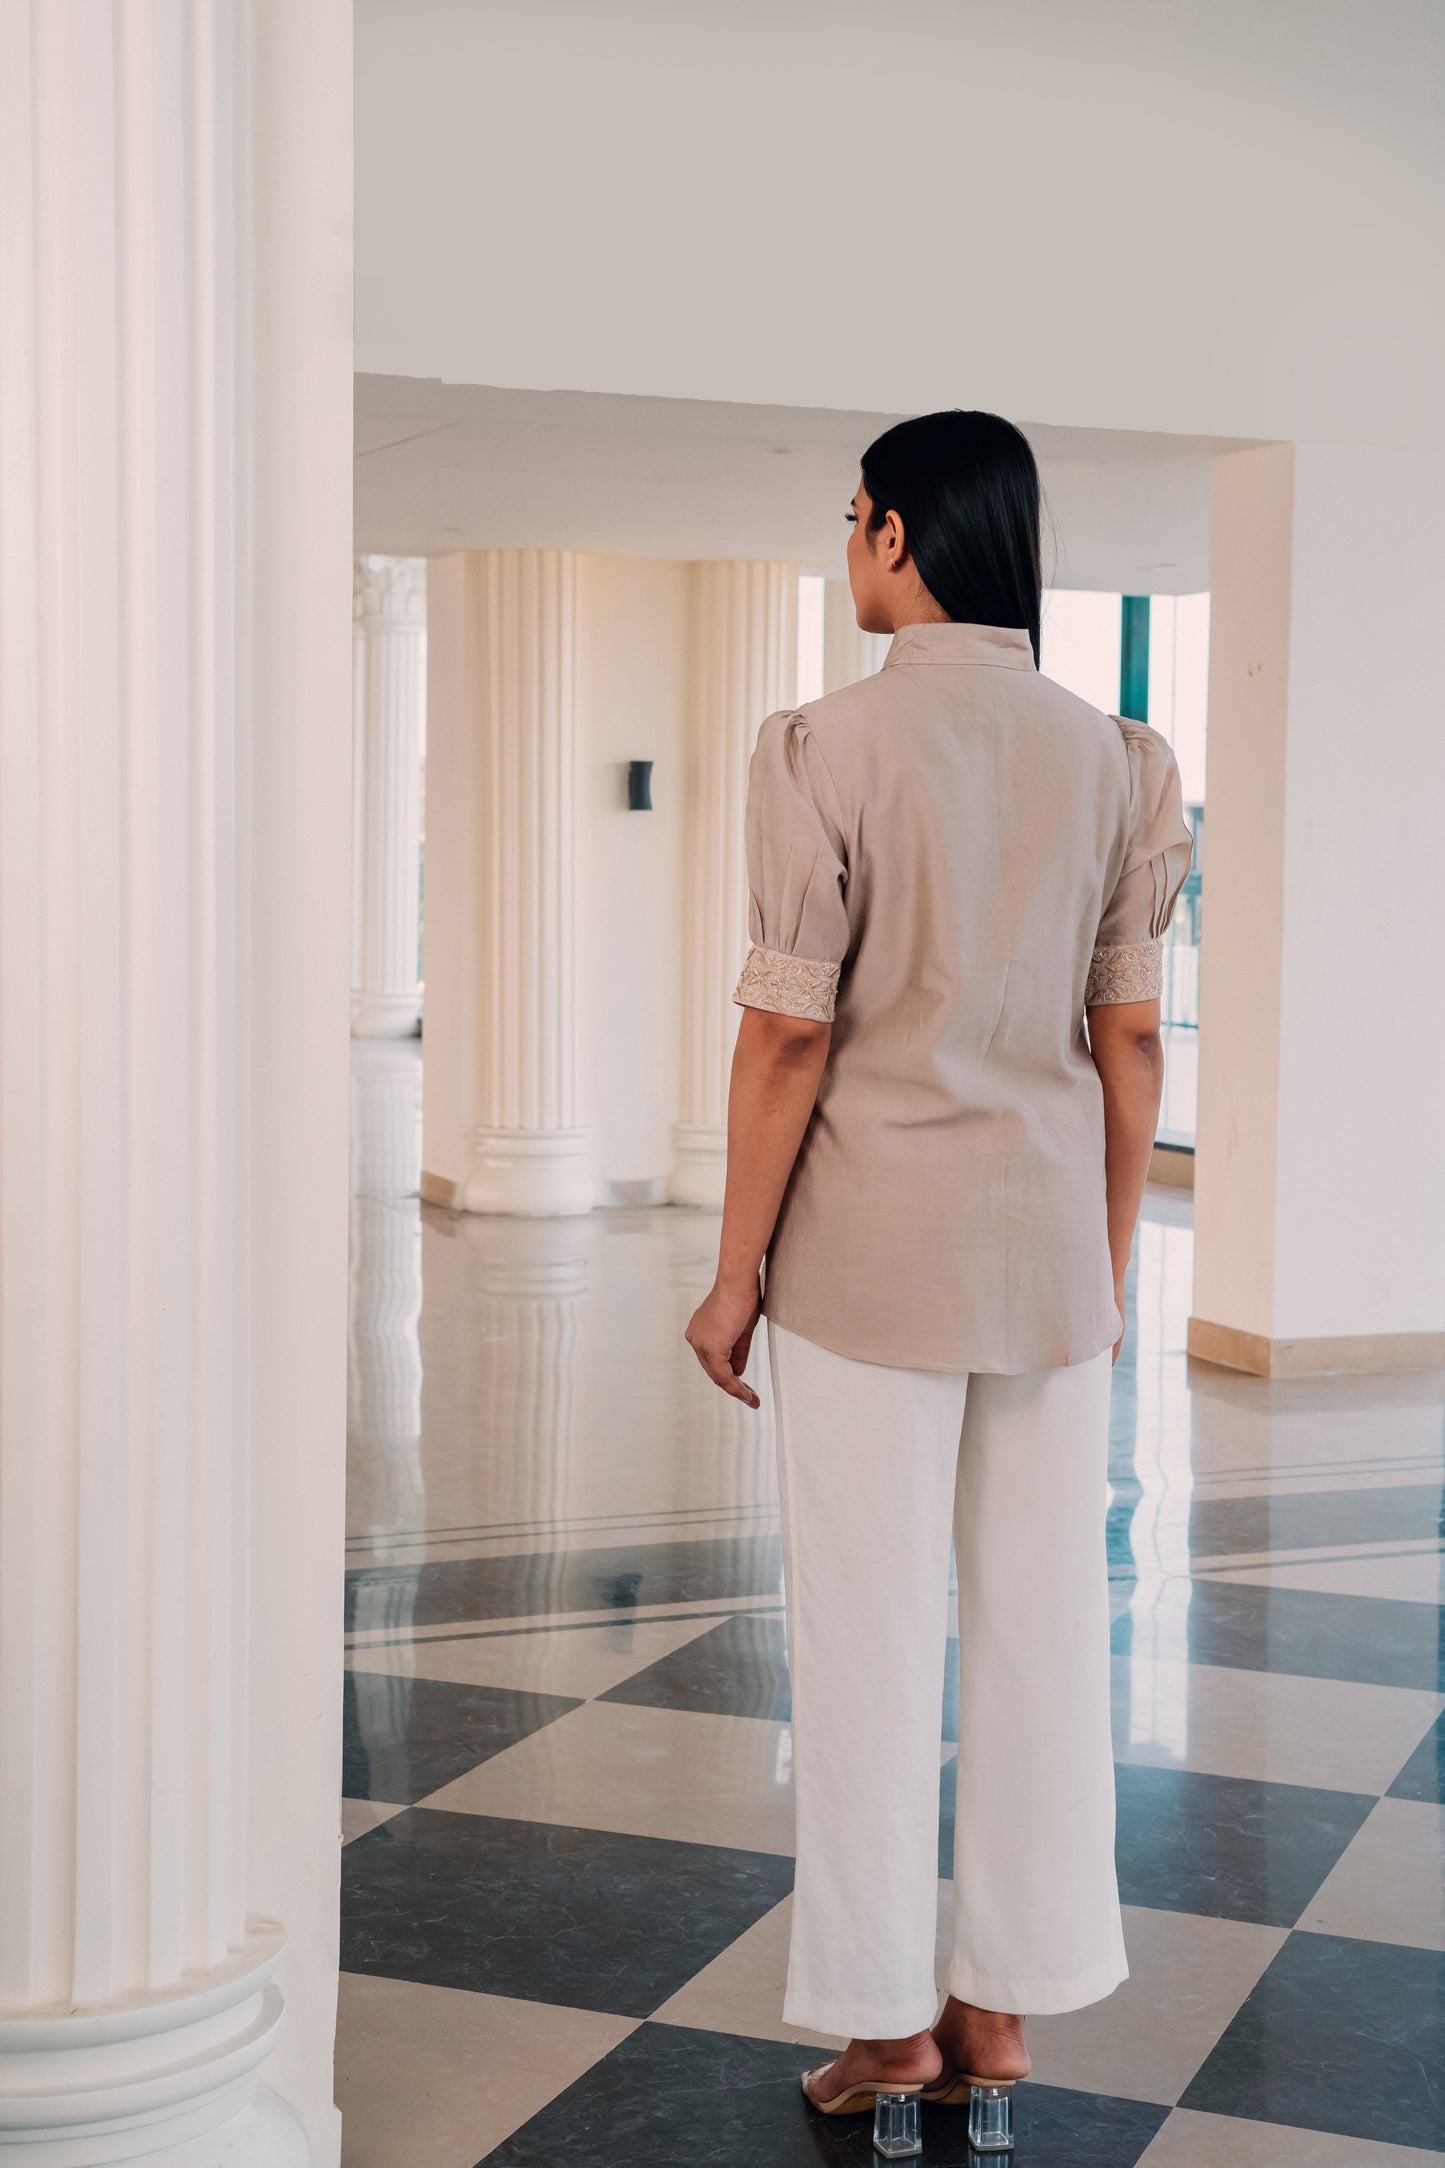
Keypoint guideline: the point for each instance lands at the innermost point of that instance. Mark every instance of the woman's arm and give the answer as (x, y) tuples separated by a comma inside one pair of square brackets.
[(1124, 1041), (777, 1067)]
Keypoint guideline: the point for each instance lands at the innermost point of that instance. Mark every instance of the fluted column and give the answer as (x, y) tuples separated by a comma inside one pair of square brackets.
[(390, 611), (503, 1126), (744, 666), (848, 654), (148, 668), (383, 1370)]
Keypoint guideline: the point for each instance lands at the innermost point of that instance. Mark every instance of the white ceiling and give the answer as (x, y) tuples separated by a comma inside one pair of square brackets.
[(467, 466)]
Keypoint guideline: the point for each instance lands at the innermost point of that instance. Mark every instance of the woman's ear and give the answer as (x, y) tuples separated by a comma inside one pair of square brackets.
[(895, 548)]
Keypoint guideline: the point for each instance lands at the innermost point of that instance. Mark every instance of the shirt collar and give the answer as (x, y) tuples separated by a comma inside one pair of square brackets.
[(1005, 647)]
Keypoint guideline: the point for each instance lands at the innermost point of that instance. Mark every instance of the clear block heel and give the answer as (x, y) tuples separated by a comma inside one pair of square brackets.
[(897, 2129), (991, 2118)]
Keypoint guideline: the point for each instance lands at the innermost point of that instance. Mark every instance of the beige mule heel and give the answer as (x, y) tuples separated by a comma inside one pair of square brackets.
[(897, 2129)]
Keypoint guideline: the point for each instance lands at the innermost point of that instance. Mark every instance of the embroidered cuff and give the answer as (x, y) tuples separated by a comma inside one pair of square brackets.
[(788, 985), (1134, 973)]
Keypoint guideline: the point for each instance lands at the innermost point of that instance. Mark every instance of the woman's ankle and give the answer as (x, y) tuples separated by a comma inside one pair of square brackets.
[(916, 2054), (969, 2035)]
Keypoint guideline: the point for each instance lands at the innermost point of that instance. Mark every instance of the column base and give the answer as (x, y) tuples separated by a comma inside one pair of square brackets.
[(700, 1165), (385, 1016), (529, 1173), (169, 2080), (1357, 1353)]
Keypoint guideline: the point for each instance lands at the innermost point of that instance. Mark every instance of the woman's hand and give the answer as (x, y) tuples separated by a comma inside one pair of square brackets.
[(1123, 1313), (720, 1333)]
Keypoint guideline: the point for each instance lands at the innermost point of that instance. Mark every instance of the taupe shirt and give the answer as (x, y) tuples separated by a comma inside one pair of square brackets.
[(952, 860)]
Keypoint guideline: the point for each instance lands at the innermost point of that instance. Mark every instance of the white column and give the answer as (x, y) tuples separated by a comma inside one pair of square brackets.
[(503, 1129), (390, 608), (848, 654), (383, 1371), (1320, 1166), (744, 666), (166, 399)]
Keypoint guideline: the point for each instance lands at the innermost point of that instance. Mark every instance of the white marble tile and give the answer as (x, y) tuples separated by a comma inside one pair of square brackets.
[(1416, 1576), (359, 1815), (434, 2077), (1388, 1885), (649, 1772), (1269, 1725), (1187, 1977), (580, 1660), (1189, 2140)]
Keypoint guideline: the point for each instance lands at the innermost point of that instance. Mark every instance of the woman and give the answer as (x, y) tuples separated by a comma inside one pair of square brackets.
[(952, 866)]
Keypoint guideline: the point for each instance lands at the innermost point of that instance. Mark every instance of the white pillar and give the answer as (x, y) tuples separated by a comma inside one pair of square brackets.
[(1320, 1166), (502, 1123), (383, 1371), (848, 654), (174, 385), (390, 609), (744, 666)]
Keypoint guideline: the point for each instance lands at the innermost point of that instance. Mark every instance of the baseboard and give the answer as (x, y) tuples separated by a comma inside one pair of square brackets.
[(1172, 1165), (1357, 1353), (632, 1196), (438, 1189)]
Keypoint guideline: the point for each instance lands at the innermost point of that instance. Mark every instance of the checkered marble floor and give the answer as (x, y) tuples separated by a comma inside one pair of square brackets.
[(568, 1831)]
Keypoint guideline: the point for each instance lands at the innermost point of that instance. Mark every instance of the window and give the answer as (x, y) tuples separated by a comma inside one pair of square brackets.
[(1148, 656)]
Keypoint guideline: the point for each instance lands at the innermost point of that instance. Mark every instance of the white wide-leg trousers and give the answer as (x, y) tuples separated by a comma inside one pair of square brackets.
[(878, 1468)]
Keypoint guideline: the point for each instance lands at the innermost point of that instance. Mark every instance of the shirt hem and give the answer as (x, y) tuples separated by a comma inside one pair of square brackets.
[(960, 1367)]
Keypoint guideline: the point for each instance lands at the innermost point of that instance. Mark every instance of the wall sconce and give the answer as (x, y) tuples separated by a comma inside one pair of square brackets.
[(639, 786)]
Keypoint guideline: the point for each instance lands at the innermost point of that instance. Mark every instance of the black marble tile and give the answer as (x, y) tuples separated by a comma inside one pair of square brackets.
[(1222, 1846), (581, 1917), (947, 1808), (950, 1692), (1372, 1640), (449, 1590), (1227, 1846), (1314, 1520), (1341, 2036), (404, 1737), (669, 2096), (1423, 1776), (738, 1668)]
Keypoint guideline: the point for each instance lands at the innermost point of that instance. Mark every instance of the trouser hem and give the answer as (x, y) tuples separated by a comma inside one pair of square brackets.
[(1024, 1997), (860, 2020)]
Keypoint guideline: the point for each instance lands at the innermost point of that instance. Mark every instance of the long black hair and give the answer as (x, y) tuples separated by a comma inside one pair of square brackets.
[(966, 487)]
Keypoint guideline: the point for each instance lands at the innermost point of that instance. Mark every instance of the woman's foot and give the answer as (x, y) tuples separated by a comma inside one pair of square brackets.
[(981, 2043), (914, 2061)]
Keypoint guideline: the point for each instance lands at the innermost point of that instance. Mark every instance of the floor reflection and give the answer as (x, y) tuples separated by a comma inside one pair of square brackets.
[(569, 1767)]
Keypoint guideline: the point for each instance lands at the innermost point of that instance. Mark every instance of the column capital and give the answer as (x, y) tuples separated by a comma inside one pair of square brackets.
[(389, 587)]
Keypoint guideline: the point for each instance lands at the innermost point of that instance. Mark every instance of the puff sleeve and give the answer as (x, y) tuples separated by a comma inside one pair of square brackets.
[(797, 874), (1127, 962)]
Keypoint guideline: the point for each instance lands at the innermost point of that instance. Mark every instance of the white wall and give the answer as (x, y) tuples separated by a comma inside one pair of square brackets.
[(1320, 1184), (1362, 1029), (632, 693), (1079, 634), (1212, 216)]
